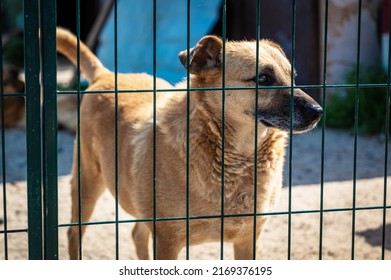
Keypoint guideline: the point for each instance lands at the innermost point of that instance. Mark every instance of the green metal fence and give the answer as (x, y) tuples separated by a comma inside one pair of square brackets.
[(41, 132)]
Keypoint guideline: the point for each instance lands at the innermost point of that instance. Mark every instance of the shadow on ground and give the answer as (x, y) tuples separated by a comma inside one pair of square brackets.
[(375, 236)]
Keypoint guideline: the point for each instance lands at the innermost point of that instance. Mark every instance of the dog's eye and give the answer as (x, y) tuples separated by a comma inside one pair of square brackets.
[(264, 80)]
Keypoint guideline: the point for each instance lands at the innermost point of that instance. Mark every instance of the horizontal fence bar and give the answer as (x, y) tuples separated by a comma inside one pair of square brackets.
[(14, 94), (183, 218), (320, 87), (14, 231)]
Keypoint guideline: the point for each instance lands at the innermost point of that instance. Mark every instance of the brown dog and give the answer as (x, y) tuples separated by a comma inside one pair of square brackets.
[(135, 144), (14, 106)]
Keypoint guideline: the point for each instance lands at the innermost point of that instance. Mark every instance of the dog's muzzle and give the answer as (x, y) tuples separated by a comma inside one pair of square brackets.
[(305, 117), (313, 112)]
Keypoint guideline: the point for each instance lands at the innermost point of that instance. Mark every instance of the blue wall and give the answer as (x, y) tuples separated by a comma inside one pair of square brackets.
[(135, 35)]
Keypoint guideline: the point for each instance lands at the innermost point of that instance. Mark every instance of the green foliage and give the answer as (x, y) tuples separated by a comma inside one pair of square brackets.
[(13, 50), (372, 102)]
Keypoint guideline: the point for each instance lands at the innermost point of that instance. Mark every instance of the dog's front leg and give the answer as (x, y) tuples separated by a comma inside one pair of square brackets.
[(244, 247), (244, 250), (140, 236), (169, 240)]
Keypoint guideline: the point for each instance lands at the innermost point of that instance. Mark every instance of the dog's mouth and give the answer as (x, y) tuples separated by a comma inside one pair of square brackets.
[(299, 125), (264, 122), (271, 121), (261, 118)]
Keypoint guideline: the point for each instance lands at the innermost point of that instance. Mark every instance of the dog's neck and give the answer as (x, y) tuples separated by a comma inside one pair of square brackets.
[(206, 142), (205, 126)]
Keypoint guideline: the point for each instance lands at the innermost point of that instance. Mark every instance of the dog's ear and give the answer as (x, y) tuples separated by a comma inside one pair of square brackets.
[(274, 45), (205, 56)]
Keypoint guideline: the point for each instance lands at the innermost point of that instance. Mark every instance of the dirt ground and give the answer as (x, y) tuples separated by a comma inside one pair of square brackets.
[(336, 236), (99, 242)]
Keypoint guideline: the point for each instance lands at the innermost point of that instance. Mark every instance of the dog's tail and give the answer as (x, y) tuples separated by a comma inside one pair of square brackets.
[(90, 65)]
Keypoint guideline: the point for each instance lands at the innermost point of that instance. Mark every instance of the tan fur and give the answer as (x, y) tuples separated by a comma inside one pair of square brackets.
[(135, 148)]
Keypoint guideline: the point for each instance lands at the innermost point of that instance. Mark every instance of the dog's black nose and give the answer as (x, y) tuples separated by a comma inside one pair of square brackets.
[(313, 111)]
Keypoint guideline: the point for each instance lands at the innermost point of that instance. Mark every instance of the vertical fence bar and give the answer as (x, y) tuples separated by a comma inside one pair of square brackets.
[(257, 38), (33, 127), (356, 110), (79, 169), (154, 134), (49, 82), (224, 37), (116, 127), (188, 134), (324, 90), (3, 161), (387, 136), (291, 129)]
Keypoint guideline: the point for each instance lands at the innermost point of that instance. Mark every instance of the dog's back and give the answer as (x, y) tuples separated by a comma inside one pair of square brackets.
[(98, 109)]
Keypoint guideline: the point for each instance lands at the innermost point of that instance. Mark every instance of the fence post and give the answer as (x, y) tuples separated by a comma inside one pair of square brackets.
[(49, 129), (33, 127)]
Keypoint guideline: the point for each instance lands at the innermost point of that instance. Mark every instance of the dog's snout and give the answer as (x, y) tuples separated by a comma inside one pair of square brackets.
[(313, 111)]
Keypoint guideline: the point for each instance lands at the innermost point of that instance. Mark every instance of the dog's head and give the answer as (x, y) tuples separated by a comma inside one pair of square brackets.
[(206, 62)]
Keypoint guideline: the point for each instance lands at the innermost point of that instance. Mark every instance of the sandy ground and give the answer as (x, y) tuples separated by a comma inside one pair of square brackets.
[(336, 237)]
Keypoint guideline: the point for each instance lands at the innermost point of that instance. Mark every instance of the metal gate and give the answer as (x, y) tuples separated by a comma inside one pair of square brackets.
[(40, 60)]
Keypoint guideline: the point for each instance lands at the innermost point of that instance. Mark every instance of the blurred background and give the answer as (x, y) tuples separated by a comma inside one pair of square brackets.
[(135, 24)]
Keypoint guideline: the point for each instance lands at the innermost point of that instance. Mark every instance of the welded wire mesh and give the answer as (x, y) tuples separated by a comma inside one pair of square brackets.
[(45, 206)]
